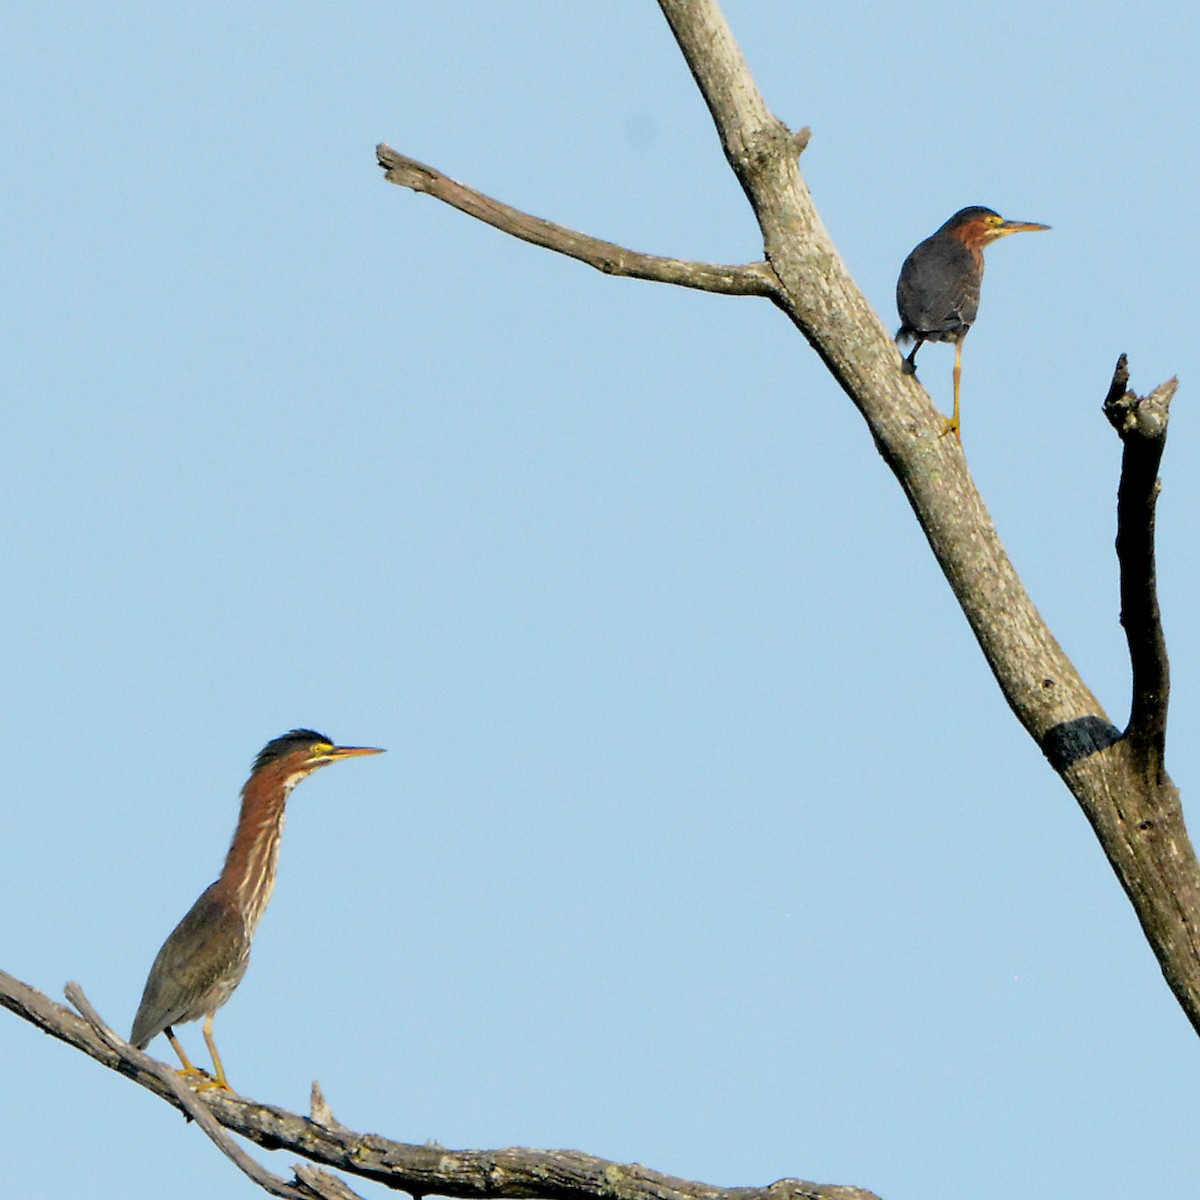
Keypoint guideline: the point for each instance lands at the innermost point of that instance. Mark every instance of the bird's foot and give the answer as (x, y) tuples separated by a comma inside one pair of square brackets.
[(202, 1081), (213, 1085), (908, 367), (951, 426)]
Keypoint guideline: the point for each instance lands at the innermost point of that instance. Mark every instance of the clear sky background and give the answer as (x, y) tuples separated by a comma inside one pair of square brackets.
[(704, 838)]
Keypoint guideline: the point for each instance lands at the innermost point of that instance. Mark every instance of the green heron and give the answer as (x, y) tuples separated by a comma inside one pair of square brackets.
[(938, 290), (205, 957)]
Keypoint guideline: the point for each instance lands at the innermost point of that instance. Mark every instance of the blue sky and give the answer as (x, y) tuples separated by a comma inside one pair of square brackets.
[(704, 838)]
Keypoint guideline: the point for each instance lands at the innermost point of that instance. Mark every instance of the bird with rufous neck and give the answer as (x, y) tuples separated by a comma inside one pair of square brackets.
[(938, 290), (203, 960)]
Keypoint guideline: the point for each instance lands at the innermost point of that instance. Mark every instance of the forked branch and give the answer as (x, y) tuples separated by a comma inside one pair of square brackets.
[(515, 1173), (1119, 781)]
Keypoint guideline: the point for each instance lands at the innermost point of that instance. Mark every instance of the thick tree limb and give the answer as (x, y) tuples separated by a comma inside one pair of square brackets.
[(752, 279), (512, 1174), (1139, 824)]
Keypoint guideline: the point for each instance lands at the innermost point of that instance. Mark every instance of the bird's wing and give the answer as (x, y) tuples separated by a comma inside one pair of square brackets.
[(201, 962), (936, 292)]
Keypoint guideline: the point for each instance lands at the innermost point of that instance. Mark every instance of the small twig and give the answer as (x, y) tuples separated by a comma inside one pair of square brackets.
[(319, 1110), (750, 279), (188, 1100), (323, 1185), (1141, 422)]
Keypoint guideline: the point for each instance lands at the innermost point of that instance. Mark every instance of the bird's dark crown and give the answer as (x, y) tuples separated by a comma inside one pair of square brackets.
[(966, 216), (288, 743)]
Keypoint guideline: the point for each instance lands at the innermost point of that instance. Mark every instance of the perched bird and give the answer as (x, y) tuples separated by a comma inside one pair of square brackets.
[(938, 290), (205, 957)]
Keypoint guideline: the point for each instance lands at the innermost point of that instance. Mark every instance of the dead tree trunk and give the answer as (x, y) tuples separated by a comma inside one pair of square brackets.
[(1118, 778)]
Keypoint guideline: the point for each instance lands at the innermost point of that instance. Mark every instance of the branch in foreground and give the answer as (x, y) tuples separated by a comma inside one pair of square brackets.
[(1141, 422), (319, 1183), (752, 279), (515, 1173)]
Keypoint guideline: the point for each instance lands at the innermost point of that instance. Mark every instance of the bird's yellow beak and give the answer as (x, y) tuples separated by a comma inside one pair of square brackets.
[(351, 752), (1017, 227)]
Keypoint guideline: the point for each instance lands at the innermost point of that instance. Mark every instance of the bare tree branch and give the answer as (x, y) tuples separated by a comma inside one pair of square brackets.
[(186, 1099), (1139, 824), (515, 1173), (1136, 815), (1141, 423), (753, 279)]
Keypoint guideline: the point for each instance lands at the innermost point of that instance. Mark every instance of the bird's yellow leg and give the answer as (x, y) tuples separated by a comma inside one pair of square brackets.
[(220, 1081), (951, 424), (188, 1068)]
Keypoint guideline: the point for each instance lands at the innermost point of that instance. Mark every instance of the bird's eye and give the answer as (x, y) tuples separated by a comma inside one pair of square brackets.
[(318, 749), (995, 220)]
